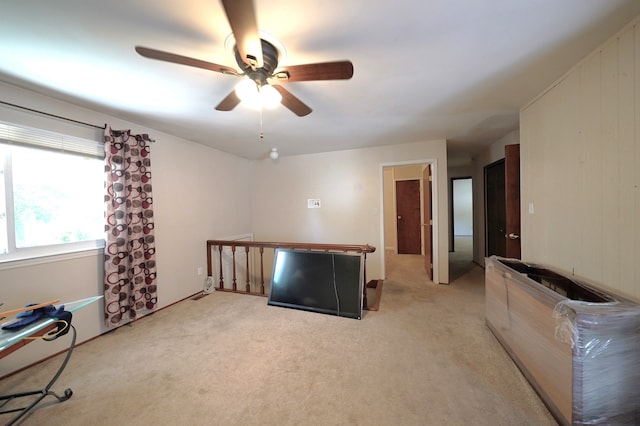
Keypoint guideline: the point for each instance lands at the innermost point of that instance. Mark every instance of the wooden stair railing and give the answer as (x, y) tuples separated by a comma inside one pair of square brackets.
[(261, 245)]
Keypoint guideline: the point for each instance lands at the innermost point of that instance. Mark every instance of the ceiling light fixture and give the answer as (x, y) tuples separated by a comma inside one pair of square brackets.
[(274, 154), (270, 97), (257, 97)]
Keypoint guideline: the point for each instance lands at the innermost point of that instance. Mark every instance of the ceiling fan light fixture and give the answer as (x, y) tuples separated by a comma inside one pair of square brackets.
[(247, 91), (270, 97), (256, 97)]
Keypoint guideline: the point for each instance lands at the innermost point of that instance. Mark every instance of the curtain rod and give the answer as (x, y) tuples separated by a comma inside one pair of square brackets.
[(55, 116)]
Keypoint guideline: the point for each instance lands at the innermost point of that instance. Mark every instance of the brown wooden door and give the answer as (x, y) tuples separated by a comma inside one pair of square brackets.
[(512, 200), (408, 216), (427, 226), (495, 209)]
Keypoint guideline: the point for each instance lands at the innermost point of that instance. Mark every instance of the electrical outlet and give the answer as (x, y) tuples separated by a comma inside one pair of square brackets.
[(199, 271), (313, 203)]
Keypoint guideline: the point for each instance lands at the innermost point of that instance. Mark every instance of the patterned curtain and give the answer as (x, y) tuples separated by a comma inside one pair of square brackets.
[(129, 254)]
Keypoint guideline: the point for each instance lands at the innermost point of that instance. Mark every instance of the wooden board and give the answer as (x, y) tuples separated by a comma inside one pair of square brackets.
[(27, 308)]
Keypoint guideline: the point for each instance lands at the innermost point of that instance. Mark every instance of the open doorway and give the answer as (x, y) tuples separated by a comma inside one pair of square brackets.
[(461, 212), (417, 179), (461, 242)]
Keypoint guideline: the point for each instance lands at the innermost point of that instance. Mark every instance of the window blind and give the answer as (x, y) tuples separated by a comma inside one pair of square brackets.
[(38, 138)]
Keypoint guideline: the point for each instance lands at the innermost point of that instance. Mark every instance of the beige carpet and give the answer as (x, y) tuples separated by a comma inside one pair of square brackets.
[(425, 358)]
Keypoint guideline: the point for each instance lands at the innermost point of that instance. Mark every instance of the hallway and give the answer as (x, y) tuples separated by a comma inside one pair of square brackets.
[(461, 260)]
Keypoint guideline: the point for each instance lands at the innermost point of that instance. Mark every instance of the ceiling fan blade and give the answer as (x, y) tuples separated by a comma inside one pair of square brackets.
[(230, 102), (183, 60), (338, 70), (242, 19), (291, 102)]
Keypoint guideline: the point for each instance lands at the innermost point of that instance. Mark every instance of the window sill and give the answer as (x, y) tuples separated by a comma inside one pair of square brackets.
[(31, 260)]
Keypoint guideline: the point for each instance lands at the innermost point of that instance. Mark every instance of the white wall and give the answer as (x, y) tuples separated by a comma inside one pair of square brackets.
[(349, 184), (580, 162), (199, 193)]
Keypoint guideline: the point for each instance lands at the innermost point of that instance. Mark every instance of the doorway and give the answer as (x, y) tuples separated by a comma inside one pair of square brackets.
[(409, 171), (461, 227), (461, 191), (502, 205), (496, 211)]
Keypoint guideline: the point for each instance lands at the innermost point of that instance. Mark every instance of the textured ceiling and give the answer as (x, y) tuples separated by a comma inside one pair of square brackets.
[(424, 69)]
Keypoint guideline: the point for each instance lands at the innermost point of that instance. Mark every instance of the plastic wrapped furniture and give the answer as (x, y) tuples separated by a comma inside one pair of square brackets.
[(578, 345)]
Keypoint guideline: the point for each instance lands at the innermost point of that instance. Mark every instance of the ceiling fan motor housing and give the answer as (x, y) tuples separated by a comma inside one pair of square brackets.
[(270, 63)]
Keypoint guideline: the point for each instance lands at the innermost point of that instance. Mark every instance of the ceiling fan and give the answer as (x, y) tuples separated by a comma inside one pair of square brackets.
[(258, 62)]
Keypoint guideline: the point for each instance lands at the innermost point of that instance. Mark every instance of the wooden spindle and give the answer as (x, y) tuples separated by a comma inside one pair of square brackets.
[(364, 284), (233, 267), (220, 261), (248, 286), (261, 271)]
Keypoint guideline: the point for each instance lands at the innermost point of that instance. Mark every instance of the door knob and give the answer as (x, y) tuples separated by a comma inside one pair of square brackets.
[(513, 236), (399, 217)]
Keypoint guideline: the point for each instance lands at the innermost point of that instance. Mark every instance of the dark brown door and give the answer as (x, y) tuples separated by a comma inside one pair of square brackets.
[(495, 209), (408, 216), (427, 226), (512, 200)]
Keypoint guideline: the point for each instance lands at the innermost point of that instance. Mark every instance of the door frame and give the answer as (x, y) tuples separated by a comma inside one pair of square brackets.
[(435, 253)]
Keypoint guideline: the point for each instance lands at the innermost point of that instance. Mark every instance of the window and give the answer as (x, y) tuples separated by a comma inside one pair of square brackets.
[(51, 193)]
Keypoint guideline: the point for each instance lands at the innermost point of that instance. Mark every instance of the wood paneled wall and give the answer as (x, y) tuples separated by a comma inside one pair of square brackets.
[(580, 168)]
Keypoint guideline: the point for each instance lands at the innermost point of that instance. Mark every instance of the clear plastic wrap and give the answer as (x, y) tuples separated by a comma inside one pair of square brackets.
[(578, 345)]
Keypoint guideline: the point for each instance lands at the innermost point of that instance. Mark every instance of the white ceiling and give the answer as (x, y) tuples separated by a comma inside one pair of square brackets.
[(423, 69)]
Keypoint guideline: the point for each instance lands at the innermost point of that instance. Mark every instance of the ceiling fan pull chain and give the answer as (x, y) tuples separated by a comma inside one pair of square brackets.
[(261, 133)]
